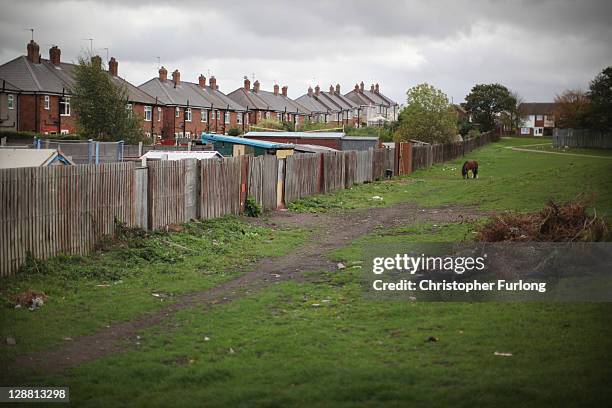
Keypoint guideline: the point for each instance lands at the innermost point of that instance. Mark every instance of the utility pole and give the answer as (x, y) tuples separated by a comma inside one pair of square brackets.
[(90, 44)]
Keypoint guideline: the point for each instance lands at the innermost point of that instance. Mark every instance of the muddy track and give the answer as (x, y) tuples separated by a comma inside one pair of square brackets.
[(331, 231)]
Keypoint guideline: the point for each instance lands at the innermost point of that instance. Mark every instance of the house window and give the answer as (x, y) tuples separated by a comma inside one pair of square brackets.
[(239, 118), (64, 132), (258, 115), (203, 115), (65, 106), (281, 116), (539, 117), (148, 112), (11, 102), (188, 134), (177, 112), (227, 117), (267, 115), (188, 114), (218, 115), (130, 110), (159, 113), (47, 102)]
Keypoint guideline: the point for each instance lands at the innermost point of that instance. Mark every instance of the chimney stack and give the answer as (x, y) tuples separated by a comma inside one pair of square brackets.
[(55, 55), (256, 86), (113, 67), (361, 87), (96, 61), (202, 81), (284, 90), (163, 74), (372, 88), (176, 77), (356, 87), (310, 91), (33, 52), (376, 88), (275, 89), (317, 90), (247, 84), (338, 89), (213, 83), (331, 89)]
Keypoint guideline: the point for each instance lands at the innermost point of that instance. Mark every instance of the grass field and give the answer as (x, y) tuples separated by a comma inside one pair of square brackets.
[(321, 342)]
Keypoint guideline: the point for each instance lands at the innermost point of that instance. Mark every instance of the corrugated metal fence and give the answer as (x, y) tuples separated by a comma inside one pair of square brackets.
[(52, 210)]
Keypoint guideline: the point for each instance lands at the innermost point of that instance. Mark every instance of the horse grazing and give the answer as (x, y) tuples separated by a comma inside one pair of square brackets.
[(470, 165)]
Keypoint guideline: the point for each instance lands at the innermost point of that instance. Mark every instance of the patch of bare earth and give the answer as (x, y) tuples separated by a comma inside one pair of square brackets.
[(330, 231)]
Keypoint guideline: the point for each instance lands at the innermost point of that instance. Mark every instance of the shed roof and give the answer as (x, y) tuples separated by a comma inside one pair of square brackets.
[(181, 154), (13, 158), (298, 135), (247, 142)]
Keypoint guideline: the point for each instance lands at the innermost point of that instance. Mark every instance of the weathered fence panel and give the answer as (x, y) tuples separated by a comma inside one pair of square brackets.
[(403, 158), (350, 168), (363, 171), (263, 171), (382, 160), (220, 187), (584, 138), (333, 171), (302, 176), (57, 209), (166, 193)]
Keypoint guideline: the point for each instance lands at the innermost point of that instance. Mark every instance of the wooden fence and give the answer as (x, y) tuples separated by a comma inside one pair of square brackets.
[(46, 211), (586, 138)]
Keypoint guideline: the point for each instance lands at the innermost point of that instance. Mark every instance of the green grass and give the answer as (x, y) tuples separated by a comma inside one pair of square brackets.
[(88, 293), (509, 180), (324, 344), (548, 147)]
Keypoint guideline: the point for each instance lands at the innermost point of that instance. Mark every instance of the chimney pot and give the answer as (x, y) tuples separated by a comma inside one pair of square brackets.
[(317, 90), (338, 89), (284, 90), (256, 86), (113, 66), (176, 77), (55, 55), (276, 89), (356, 87), (163, 74), (376, 88), (310, 91), (96, 61), (372, 88), (247, 84), (33, 52), (331, 89), (361, 86), (213, 83), (202, 81)]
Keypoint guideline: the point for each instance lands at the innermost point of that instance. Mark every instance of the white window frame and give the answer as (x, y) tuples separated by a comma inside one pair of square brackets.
[(65, 102), (11, 101), (148, 113), (267, 114), (64, 132), (279, 116), (188, 134), (130, 109), (217, 115), (203, 116), (227, 117), (159, 113), (47, 102), (177, 112), (239, 118), (188, 115)]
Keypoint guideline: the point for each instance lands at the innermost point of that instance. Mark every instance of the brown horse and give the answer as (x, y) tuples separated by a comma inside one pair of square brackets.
[(470, 165)]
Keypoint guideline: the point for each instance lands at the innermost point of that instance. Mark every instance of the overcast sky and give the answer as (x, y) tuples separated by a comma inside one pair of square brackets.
[(537, 48)]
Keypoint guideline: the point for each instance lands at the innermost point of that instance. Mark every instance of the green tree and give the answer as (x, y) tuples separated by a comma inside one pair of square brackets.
[(572, 109), (101, 106), (600, 95), (486, 102), (428, 116)]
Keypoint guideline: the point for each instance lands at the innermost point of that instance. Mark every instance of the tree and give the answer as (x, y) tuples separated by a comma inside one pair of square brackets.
[(428, 116), (486, 102), (102, 107), (572, 109), (600, 95)]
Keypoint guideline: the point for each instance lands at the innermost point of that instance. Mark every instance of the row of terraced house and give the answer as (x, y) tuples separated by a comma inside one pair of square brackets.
[(35, 96)]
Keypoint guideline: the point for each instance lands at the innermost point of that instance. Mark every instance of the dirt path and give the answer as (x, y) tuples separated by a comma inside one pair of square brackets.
[(332, 231)]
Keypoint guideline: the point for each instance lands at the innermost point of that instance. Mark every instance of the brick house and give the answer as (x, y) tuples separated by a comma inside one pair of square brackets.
[(192, 108), (333, 107), (539, 119), (43, 104), (8, 105), (269, 105), (319, 112), (374, 107)]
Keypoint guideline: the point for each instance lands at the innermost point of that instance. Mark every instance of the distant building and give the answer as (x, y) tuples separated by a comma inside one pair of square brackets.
[(269, 105), (538, 119), (190, 108), (330, 107), (374, 107)]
